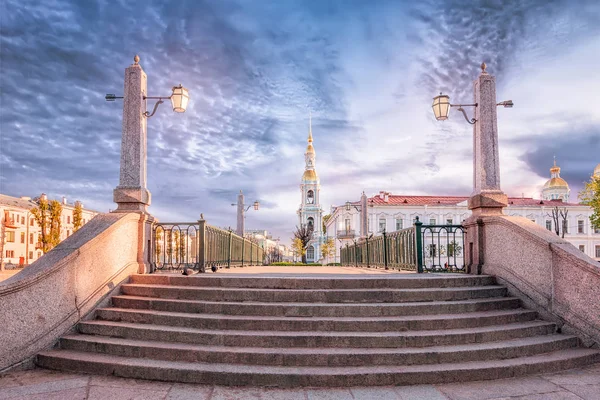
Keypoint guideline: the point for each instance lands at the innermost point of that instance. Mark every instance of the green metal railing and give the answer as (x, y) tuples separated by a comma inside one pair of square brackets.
[(420, 248), (197, 245), (396, 250)]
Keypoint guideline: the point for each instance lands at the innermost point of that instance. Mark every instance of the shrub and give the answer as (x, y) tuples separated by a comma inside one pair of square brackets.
[(289, 264), (334, 264)]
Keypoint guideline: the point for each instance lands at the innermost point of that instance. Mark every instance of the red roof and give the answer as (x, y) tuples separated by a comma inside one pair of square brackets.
[(400, 200)]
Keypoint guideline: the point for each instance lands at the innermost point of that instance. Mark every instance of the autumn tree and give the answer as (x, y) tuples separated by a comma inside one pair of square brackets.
[(47, 215), (304, 234), (299, 248), (328, 248), (590, 195), (559, 216), (157, 242), (326, 218), (77, 216)]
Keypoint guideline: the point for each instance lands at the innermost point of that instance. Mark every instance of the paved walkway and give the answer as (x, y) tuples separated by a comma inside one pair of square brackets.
[(41, 384)]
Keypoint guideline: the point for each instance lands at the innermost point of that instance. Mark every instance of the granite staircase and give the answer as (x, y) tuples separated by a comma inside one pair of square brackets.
[(316, 331)]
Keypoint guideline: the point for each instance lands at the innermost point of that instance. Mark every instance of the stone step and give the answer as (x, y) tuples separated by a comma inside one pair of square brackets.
[(313, 295), (316, 309), (286, 339), (318, 356), (400, 281), (238, 375), (385, 323)]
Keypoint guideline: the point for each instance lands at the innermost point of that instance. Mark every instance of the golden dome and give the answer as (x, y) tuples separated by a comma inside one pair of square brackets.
[(310, 175), (310, 148), (556, 182)]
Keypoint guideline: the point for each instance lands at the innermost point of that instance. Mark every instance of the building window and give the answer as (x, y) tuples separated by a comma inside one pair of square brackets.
[(597, 230), (449, 221), (381, 224), (432, 250), (10, 237), (31, 255), (31, 221), (22, 237), (10, 253), (597, 251), (310, 253), (31, 238), (579, 226), (399, 225), (549, 224), (431, 221), (39, 254), (582, 248), (22, 220), (347, 224), (68, 219), (68, 233), (310, 197)]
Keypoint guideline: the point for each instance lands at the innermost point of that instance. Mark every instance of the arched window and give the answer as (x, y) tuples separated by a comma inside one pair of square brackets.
[(310, 197), (311, 223), (310, 253)]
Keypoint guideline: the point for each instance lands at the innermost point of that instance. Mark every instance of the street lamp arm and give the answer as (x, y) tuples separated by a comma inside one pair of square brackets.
[(158, 103), (460, 108)]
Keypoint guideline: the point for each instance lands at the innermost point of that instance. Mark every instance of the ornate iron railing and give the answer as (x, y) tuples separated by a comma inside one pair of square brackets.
[(420, 248), (442, 248), (197, 245)]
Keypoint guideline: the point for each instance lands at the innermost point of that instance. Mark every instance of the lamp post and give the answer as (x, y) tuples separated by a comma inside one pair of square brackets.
[(487, 197), (241, 213), (132, 194)]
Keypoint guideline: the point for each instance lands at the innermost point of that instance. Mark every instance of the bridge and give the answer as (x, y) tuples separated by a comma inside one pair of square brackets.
[(515, 299)]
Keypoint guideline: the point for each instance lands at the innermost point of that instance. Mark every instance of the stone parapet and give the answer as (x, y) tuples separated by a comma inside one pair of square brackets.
[(546, 272), (49, 297)]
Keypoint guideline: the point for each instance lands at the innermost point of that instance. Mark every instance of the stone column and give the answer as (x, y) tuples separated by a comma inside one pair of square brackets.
[(240, 215), (364, 225), (487, 197), (132, 193)]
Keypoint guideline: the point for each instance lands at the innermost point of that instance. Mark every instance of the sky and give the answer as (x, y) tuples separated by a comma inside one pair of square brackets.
[(366, 70)]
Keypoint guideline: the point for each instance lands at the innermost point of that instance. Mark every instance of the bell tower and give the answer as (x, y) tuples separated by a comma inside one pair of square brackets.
[(310, 212)]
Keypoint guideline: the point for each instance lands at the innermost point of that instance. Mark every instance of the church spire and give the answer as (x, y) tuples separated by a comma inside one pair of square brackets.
[(310, 139)]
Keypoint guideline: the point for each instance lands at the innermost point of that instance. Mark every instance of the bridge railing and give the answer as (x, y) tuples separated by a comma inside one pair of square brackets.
[(420, 248), (197, 245)]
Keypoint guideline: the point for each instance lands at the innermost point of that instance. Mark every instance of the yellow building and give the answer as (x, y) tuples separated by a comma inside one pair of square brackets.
[(20, 234)]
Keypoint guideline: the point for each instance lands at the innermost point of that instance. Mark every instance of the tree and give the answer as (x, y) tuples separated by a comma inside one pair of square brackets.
[(590, 195), (47, 215), (559, 216), (77, 216), (326, 218), (304, 234), (299, 248), (157, 243), (328, 248)]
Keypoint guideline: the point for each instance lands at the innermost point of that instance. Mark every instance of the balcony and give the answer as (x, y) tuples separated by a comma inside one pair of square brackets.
[(346, 234), (10, 223)]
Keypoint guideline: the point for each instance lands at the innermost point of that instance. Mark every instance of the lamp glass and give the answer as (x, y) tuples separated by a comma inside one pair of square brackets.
[(179, 98), (441, 106), (256, 205)]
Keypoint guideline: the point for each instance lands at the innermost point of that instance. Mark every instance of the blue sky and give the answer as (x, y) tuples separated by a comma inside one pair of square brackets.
[(367, 70)]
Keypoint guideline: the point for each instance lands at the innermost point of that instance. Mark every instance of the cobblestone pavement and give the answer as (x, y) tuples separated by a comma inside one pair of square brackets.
[(38, 384)]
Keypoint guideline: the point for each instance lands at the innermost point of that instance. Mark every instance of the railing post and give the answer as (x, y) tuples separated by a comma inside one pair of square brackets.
[(367, 239), (229, 252), (385, 250), (419, 243), (202, 244), (243, 243)]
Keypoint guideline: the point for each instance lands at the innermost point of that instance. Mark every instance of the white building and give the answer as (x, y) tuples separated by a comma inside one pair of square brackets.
[(20, 233), (310, 212), (395, 212)]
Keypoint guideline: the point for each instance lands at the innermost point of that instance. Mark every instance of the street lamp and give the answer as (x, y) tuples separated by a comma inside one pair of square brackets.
[(241, 211), (179, 97), (487, 197)]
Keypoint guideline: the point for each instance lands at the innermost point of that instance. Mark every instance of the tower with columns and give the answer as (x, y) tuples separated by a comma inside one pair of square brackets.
[(310, 212)]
